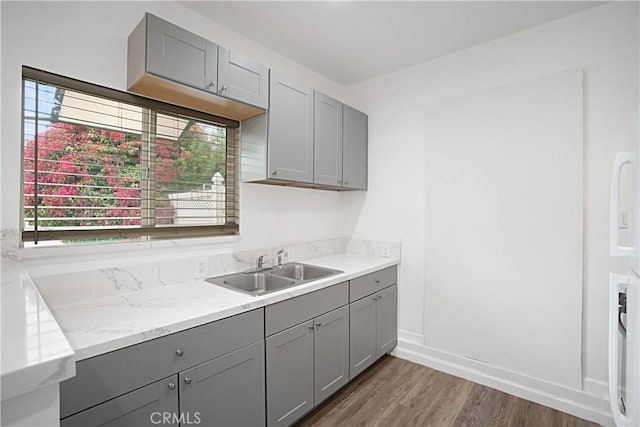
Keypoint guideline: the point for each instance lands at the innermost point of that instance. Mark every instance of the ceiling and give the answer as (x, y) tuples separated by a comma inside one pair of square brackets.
[(353, 41)]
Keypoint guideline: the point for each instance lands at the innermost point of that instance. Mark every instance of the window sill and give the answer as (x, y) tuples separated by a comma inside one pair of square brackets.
[(119, 249)]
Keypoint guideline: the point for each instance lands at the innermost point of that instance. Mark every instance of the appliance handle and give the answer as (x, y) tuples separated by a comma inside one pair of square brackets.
[(614, 366), (615, 248)]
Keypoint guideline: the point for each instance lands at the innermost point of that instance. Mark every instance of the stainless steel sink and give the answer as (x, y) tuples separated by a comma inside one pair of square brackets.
[(272, 279), (257, 283), (298, 271)]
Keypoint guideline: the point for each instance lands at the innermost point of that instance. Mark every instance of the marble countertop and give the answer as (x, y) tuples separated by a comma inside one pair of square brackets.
[(99, 325), (35, 351)]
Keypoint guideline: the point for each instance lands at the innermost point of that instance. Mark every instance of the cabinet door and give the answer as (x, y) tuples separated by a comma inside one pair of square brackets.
[(327, 139), (290, 141), (289, 374), (354, 149), (145, 406), (227, 391), (362, 335), (242, 79), (386, 320), (331, 352), (179, 55)]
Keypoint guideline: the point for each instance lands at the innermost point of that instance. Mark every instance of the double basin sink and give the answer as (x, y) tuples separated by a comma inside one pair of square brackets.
[(273, 279)]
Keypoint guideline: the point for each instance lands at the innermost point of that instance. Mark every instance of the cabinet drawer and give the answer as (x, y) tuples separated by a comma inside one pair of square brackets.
[(373, 282), (141, 407), (286, 314), (112, 374)]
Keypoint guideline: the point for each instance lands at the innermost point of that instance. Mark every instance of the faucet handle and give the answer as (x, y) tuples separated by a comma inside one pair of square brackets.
[(280, 254), (260, 260)]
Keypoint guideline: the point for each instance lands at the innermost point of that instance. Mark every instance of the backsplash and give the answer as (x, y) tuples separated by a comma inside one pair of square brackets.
[(77, 282)]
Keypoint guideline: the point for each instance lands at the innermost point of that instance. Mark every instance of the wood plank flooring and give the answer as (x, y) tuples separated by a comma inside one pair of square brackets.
[(396, 392)]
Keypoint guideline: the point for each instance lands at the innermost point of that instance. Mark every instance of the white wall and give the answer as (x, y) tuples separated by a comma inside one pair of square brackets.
[(604, 43), (88, 41)]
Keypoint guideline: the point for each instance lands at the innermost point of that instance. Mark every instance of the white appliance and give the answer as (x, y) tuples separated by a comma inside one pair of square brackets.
[(624, 288)]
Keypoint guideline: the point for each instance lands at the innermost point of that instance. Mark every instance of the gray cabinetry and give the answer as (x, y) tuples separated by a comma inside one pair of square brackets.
[(114, 375), (227, 391), (354, 150), (386, 320), (174, 65), (362, 335), (180, 55), (331, 353), (242, 79), (373, 310), (290, 130), (289, 374), (141, 407), (327, 159)]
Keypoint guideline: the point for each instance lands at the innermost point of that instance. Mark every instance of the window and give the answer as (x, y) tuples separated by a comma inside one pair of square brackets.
[(100, 164)]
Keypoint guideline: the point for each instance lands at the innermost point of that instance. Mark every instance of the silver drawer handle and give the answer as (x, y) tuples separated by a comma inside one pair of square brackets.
[(172, 386), (375, 298), (187, 380), (211, 84), (377, 281), (274, 173), (223, 88), (346, 183), (318, 324), (179, 352), (311, 327)]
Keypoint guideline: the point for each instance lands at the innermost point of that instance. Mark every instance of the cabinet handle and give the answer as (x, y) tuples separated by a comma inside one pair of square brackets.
[(172, 386), (211, 84), (375, 298), (346, 183), (339, 181), (311, 327), (318, 324), (179, 352), (274, 173), (377, 281), (223, 88), (187, 380)]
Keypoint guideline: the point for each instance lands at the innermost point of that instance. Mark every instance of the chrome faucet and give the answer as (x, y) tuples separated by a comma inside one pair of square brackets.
[(280, 255), (260, 262)]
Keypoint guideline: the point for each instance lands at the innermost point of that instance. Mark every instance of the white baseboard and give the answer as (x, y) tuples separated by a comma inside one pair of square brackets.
[(590, 404)]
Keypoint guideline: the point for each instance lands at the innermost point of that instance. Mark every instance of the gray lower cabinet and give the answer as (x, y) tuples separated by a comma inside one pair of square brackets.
[(290, 130), (327, 159), (386, 320), (227, 391), (145, 406), (179, 55), (373, 329), (242, 79), (354, 148), (289, 364), (331, 353), (362, 335)]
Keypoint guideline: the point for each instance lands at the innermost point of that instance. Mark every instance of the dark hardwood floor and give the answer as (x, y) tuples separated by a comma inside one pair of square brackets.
[(396, 392)]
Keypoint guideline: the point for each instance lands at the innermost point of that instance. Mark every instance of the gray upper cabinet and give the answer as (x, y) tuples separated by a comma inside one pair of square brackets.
[(289, 374), (171, 64), (180, 55), (242, 79), (386, 320), (327, 159), (290, 127), (362, 335), (227, 391), (354, 149), (331, 352), (141, 407)]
